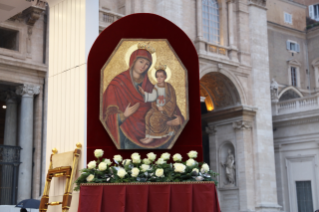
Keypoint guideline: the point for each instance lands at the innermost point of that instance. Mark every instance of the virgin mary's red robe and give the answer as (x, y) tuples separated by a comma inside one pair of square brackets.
[(120, 93)]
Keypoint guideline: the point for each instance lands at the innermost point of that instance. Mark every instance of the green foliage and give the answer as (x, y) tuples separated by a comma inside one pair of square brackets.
[(119, 173)]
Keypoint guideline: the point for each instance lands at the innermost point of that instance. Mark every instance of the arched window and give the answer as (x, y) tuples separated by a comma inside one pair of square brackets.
[(211, 21)]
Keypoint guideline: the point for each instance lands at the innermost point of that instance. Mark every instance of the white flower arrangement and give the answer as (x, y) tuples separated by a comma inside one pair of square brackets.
[(177, 157), (98, 153), (151, 170), (118, 158), (151, 156)]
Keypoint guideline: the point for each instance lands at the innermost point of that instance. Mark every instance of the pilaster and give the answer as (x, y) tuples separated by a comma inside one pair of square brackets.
[(233, 51), (245, 165), (265, 175), (211, 131)]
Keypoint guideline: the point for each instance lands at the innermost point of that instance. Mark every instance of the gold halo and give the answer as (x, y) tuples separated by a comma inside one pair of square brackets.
[(131, 50), (153, 71)]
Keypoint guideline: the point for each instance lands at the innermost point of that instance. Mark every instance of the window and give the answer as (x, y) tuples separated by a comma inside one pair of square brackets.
[(288, 18), (211, 21), (293, 76), (9, 39), (293, 46), (314, 12), (304, 196)]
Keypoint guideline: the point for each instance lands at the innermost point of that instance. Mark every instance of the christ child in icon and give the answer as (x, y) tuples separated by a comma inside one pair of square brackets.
[(163, 108)]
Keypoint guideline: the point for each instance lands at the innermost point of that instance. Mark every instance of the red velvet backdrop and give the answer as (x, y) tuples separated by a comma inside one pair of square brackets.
[(142, 26)]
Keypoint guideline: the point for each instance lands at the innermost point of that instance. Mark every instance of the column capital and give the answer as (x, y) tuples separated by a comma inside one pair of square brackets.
[(241, 125), (9, 96), (211, 130), (28, 90)]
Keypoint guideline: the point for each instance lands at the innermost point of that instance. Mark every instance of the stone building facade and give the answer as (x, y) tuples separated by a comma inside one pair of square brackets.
[(23, 68), (259, 77), (232, 45), (293, 50)]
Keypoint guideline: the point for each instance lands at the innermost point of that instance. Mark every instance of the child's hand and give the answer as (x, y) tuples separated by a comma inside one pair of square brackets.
[(141, 90), (160, 108)]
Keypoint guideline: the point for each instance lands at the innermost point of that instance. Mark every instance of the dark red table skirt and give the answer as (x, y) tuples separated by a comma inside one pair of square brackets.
[(149, 197)]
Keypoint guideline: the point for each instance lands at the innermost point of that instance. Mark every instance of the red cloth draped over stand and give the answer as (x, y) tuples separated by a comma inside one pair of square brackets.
[(149, 197)]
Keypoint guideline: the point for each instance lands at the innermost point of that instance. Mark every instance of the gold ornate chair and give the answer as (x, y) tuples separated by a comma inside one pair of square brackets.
[(63, 164)]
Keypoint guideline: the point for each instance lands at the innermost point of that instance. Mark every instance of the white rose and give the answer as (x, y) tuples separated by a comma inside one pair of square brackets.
[(147, 161), (126, 162), (90, 178), (118, 158), (135, 172), (179, 167), (136, 158), (166, 156), (159, 172), (92, 164), (102, 166), (195, 170), (98, 153), (205, 168), (160, 161), (190, 162), (145, 167), (121, 173), (192, 154), (177, 157), (151, 156), (107, 161)]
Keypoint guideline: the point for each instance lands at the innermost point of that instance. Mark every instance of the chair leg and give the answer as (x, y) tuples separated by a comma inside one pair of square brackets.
[(67, 198), (45, 198)]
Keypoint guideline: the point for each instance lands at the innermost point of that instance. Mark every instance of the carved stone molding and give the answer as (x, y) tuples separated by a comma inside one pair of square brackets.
[(28, 90), (258, 3), (211, 130), (241, 125), (32, 14)]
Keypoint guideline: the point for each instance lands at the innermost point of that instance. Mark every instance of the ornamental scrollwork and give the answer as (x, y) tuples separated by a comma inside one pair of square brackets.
[(28, 90), (241, 125)]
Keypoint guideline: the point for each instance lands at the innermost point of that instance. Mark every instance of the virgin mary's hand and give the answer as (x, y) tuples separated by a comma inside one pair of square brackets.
[(175, 122), (130, 110)]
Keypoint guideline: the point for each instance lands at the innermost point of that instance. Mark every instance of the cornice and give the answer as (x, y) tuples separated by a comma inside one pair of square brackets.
[(292, 119), (18, 64), (258, 3), (286, 30), (229, 113)]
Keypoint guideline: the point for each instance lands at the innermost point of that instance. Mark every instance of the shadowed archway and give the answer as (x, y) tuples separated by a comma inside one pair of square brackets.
[(219, 91)]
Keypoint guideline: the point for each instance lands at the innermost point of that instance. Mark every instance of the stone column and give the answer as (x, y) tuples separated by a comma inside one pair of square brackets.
[(26, 139), (233, 49), (245, 166), (10, 127), (10, 139)]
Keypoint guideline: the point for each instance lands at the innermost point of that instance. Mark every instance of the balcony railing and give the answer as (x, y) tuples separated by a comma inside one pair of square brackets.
[(295, 105), (9, 165), (107, 17)]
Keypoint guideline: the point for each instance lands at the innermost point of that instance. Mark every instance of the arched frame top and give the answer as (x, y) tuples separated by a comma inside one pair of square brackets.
[(290, 88)]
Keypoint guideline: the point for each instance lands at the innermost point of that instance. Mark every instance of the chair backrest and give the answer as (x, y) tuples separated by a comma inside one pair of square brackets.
[(63, 164), (62, 159)]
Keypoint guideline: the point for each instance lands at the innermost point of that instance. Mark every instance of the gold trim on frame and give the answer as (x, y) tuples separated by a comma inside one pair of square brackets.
[(148, 183)]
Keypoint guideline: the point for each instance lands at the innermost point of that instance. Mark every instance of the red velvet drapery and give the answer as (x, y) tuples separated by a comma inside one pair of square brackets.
[(164, 197)]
